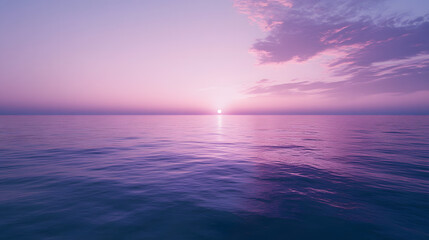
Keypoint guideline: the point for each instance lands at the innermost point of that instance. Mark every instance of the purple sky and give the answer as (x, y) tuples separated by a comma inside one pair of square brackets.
[(193, 57)]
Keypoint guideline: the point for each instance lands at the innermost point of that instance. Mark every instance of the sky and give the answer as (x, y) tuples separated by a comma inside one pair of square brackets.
[(194, 57)]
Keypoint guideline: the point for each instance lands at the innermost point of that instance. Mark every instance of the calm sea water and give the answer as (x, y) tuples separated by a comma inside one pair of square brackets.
[(214, 177)]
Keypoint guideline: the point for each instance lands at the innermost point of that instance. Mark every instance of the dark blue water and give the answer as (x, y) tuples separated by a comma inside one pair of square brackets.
[(214, 177)]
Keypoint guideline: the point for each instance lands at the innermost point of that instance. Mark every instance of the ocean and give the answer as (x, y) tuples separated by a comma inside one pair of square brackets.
[(214, 177)]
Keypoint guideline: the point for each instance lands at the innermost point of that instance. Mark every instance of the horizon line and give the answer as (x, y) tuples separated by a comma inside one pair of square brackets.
[(202, 114)]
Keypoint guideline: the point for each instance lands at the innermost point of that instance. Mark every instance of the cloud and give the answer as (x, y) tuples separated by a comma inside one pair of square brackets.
[(263, 12), (375, 52), (398, 76)]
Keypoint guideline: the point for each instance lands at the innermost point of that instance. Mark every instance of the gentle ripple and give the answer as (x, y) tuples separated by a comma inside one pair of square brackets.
[(214, 177)]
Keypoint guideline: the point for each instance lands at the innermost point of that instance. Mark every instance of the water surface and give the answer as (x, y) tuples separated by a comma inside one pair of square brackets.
[(214, 177)]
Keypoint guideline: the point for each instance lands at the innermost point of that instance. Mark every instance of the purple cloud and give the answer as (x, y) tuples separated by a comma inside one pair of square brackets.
[(376, 52), (401, 76)]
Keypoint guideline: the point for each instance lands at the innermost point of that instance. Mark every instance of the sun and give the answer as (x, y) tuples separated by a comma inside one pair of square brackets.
[(219, 111)]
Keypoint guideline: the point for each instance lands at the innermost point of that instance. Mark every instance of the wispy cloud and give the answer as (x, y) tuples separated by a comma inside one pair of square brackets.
[(374, 52)]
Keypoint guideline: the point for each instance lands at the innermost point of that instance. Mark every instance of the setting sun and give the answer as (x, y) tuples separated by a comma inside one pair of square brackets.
[(219, 111)]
